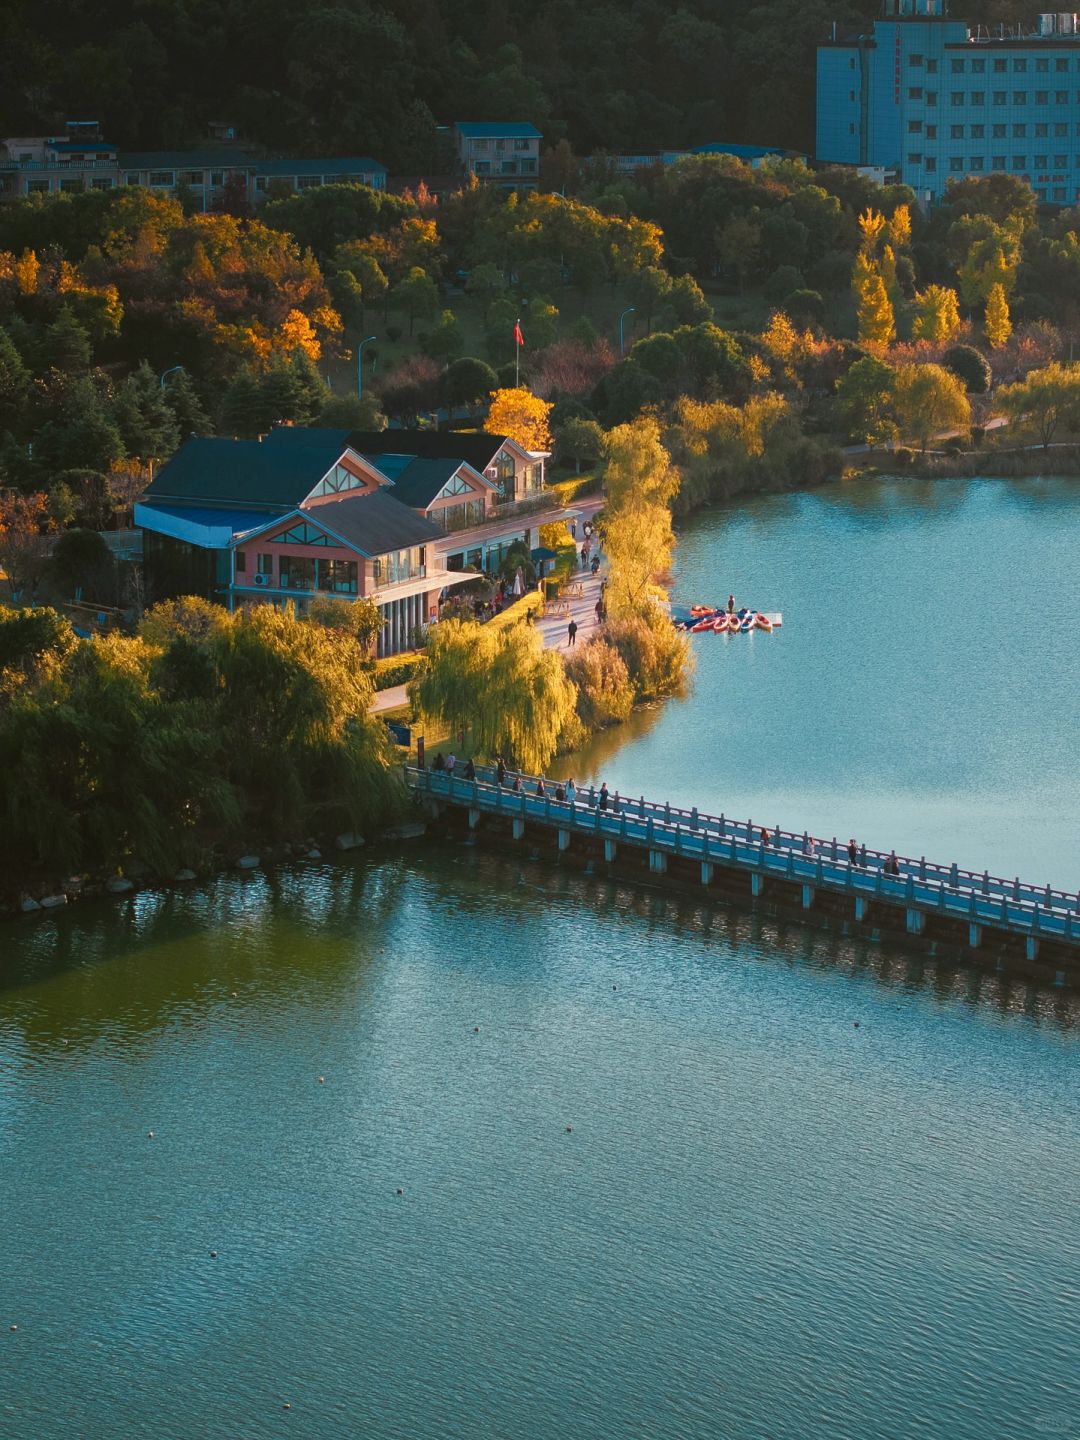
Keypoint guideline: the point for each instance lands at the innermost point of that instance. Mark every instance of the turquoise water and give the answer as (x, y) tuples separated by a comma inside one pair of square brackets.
[(923, 694), (812, 1190), (767, 1219)]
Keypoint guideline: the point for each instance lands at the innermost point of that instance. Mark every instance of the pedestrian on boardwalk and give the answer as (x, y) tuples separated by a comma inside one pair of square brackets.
[(584, 555), (451, 761), (603, 796), (892, 864), (571, 633), (615, 804), (595, 564), (560, 793), (571, 790), (438, 763), (810, 847), (516, 787), (862, 855), (540, 788), (470, 769), (764, 837), (599, 608), (731, 604), (500, 772), (852, 853)]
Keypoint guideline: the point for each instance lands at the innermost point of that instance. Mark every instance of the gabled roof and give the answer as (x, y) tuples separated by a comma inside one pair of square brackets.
[(372, 524), (476, 447), (419, 483), (246, 472), (482, 129)]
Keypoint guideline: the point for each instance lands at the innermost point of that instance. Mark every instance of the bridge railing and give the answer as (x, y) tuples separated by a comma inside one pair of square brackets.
[(922, 883)]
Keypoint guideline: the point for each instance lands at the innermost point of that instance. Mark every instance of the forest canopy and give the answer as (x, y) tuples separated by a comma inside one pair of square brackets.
[(364, 77)]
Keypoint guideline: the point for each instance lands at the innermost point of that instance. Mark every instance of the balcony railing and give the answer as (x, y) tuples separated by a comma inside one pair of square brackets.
[(527, 505)]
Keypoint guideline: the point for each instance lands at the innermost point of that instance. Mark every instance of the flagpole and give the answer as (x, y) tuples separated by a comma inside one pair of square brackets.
[(517, 355)]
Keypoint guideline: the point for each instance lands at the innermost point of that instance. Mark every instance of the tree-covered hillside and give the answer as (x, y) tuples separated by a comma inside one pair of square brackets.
[(376, 76)]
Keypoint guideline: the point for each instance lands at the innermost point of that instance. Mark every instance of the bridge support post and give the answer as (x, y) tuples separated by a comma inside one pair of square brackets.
[(974, 936), (564, 839), (706, 873), (862, 905), (519, 827), (916, 922), (609, 850), (1032, 947), (807, 896), (474, 818), (757, 884), (658, 862)]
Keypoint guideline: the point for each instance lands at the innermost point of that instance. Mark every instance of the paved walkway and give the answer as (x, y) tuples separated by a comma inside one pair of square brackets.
[(553, 628)]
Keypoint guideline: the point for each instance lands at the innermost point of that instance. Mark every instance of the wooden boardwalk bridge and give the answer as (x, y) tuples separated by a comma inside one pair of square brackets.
[(944, 904)]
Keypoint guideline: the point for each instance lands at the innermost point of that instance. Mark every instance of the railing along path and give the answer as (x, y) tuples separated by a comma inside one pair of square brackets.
[(982, 899)]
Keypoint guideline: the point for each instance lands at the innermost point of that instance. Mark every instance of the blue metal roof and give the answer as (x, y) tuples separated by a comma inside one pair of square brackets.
[(239, 521), (512, 129)]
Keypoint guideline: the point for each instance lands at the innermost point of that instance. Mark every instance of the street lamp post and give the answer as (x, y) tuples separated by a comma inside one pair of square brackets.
[(622, 346), (171, 371), (360, 366)]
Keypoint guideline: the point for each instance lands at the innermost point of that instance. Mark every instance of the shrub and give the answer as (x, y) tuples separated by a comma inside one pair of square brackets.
[(978, 435), (605, 695), (806, 306), (969, 365), (395, 670), (657, 657), (902, 456), (781, 283)]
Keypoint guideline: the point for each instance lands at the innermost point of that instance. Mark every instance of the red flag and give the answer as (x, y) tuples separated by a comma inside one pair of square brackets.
[(519, 338)]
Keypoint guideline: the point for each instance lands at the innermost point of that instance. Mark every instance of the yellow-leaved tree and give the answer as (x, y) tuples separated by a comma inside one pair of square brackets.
[(997, 324), (522, 416), (899, 228), (877, 323), (872, 225), (937, 314)]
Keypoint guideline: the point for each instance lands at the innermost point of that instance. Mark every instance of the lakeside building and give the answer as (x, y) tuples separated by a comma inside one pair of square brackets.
[(399, 517), (504, 153), (927, 99), (82, 160)]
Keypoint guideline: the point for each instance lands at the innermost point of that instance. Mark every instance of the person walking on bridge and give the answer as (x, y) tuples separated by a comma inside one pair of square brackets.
[(852, 852), (603, 796)]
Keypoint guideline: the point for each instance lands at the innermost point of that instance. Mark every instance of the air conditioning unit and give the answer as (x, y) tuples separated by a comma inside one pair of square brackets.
[(262, 579)]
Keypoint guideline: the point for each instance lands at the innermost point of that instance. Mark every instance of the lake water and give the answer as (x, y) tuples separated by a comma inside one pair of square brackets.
[(923, 694), (811, 1190)]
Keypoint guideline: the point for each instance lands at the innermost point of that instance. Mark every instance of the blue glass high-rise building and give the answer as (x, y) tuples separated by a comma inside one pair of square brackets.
[(929, 99)]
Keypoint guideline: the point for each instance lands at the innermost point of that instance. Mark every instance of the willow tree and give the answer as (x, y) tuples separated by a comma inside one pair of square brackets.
[(502, 684), (639, 483), (1045, 399), (929, 399)]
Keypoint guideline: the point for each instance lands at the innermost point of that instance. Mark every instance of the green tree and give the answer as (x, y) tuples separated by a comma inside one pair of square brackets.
[(865, 400), (14, 382), (67, 345), (648, 288), (446, 341), (485, 282), (466, 382), (579, 440), (971, 366), (929, 400), (145, 419), (83, 565), (418, 295)]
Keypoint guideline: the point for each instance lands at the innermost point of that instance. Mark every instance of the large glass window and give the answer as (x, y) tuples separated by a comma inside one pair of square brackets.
[(297, 572), (337, 576), (400, 565), (504, 474)]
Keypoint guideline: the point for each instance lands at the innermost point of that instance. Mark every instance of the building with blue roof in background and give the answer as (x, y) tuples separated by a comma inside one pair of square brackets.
[(505, 153)]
